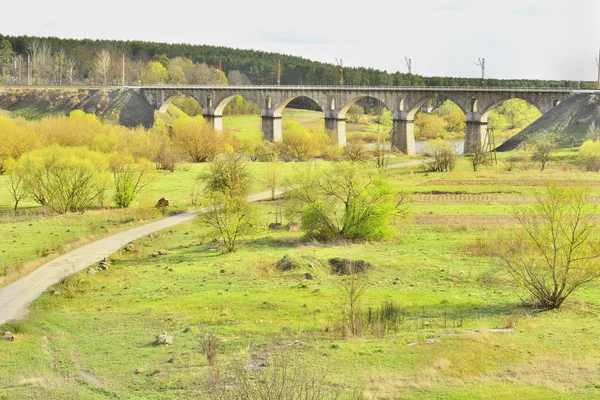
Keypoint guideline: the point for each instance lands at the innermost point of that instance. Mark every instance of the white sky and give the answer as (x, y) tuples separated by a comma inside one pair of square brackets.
[(543, 39)]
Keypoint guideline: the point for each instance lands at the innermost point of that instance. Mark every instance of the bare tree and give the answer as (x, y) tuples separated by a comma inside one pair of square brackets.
[(41, 60), (102, 64), (272, 180), (71, 70), (557, 253), (353, 288)]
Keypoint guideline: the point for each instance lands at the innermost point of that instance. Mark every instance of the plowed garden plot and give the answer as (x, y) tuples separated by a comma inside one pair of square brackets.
[(479, 199), (465, 220), (507, 182)]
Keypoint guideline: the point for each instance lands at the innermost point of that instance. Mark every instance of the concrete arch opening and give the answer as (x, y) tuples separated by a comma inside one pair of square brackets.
[(276, 115), (507, 117), (177, 106), (367, 119)]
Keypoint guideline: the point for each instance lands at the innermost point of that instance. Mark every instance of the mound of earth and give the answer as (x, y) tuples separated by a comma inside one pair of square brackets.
[(570, 120), (120, 106)]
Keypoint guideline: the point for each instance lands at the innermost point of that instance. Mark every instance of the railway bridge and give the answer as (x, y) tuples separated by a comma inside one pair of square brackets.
[(404, 102)]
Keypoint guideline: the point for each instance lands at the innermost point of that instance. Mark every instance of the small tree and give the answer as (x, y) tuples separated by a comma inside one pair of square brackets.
[(480, 157), (443, 156), (16, 182), (542, 150), (229, 175), (229, 217), (557, 252), (356, 151), (272, 180), (197, 139), (353, 288)]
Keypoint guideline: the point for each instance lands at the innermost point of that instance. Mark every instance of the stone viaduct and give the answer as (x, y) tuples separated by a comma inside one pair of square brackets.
[(476, 103)]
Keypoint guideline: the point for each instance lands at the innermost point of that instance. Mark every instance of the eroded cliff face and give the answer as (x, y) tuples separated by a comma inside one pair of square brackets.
[(569, 120), (119, 106)]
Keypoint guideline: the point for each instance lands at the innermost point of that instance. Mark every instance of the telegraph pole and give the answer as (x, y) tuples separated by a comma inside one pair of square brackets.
[(220, 73), (278, 72), (28, 69), (408, 62), (481, 63), (123, 72), (341, 68), (598, 65)]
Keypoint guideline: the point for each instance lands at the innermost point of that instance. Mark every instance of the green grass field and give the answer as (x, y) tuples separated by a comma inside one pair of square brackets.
[(92, 337)]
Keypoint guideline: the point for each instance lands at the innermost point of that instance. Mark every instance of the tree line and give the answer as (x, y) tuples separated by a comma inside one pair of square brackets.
[(55, 61)]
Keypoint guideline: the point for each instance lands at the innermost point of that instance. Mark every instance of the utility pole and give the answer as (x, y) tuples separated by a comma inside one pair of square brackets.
[(28, 70), (598, 65), (481, 63), (340, 64), (123, 72), (278, 72), (220, 73), (408, 62)]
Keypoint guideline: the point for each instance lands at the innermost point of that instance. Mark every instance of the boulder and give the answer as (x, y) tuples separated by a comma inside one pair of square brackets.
[(165, 339), (308, 276), (162, 203), (346, 266), (289, 263)]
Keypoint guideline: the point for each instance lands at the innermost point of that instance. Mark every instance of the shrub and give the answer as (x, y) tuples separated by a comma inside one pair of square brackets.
[(347, 200), (198, 140), (65, 179), (589, 156), (130, 176), (209, 345), (443, 156), (557, 252), (300, 144)]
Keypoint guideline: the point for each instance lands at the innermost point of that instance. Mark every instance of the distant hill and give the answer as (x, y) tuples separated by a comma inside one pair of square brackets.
[(569, 120), (258, 66)]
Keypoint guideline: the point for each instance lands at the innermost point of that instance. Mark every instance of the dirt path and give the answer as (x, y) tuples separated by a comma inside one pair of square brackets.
[(16, 297)]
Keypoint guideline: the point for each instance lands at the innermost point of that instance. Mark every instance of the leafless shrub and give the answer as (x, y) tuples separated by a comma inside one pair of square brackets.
[(209, 345)]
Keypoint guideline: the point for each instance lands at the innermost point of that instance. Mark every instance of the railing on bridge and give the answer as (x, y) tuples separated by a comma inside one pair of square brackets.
[(363, 88)]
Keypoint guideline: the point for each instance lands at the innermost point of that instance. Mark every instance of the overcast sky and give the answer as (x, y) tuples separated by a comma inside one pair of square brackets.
[(544, 39)]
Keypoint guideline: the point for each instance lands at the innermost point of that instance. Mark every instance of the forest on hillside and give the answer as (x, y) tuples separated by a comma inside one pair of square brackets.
[(54, 61)]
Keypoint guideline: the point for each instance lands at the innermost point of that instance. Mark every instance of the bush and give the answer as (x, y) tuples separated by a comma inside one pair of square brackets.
[(589, 156), (65, 179), (300, 144), (557, 252), (198, 140), (443, 156), (346, 200), (130, 176)]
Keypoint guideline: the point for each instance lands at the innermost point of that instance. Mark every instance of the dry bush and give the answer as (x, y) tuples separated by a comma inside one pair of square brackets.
[(356, 152), (209, 346), (443, 156), (283, 378)]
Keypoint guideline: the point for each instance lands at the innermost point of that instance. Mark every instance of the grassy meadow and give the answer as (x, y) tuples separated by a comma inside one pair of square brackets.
[(92, 337)]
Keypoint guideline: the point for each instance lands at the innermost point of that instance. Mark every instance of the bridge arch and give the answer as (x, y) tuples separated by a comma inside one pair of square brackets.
[(349, 103), (283, 103), (413, 108)]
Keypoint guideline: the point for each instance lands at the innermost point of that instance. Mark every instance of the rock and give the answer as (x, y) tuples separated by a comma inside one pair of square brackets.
[(275, 226), (413, 343), (288, 263), (130, 248), (345, 266), (257, 362), (8, 336), (187, 330), (92, 271), (162, 252), (172, 360), (165, 339), (432, 340), (154, 255), (103, 266), (162, 203), (292, 227), (308, 276)]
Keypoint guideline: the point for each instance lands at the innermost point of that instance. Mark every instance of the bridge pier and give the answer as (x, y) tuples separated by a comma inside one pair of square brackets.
[(476, 134), (215, 120), (337, 128), (403, 136), (271, 128)]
